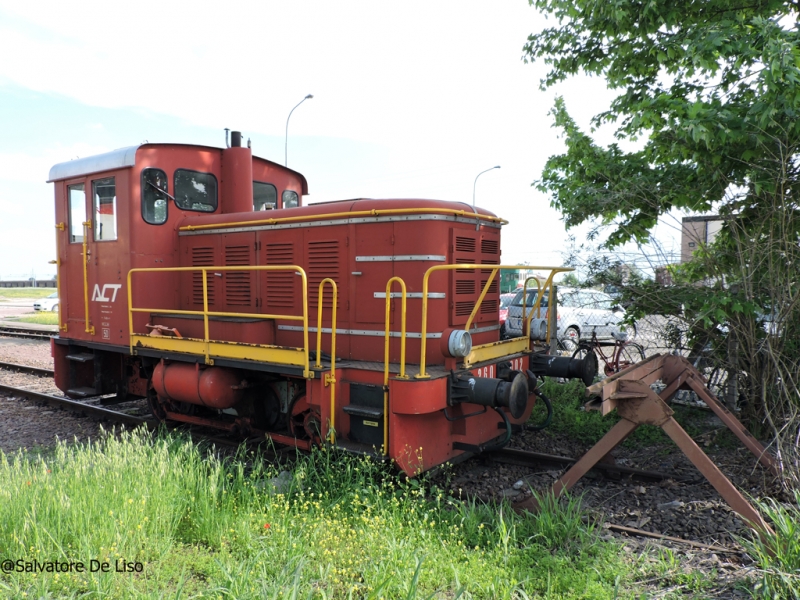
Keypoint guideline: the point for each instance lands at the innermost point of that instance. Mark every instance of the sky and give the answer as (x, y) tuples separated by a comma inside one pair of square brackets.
[(411, 100)]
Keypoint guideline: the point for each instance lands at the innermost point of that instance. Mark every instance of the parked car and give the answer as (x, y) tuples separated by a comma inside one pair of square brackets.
[(505, 302), (49, 303), (579, 313)]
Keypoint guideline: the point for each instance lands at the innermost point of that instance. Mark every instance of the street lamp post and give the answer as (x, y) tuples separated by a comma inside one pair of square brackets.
[(286, 138), (476, 182)]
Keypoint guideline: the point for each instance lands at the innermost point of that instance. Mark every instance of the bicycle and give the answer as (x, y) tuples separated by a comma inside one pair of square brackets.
[(624, 354)]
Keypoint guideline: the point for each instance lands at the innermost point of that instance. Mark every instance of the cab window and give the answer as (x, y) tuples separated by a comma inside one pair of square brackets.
[(265, 196), (155, 190), (195, 190), (104, 192), (290, 199), (77, 212)]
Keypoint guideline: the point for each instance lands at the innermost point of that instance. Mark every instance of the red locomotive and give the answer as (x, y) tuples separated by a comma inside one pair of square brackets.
[(193, 276)]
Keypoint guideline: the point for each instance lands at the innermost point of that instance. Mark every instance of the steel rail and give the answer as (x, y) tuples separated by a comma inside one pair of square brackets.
[(34, 334), (26, 369), (74, 405), (525, 458)]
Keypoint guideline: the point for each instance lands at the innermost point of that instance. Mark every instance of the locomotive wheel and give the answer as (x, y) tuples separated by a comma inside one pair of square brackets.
[(155, 404), (312, 425)]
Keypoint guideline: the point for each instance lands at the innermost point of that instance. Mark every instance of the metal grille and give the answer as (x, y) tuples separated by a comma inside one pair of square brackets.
[(323, 261), (280, 284), (237, 283), (202, 256)]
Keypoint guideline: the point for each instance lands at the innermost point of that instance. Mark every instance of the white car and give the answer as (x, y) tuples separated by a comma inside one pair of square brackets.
[(580, 312), (50, 303)]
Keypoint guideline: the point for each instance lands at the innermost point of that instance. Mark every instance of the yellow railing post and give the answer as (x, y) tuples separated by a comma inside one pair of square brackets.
[(480, 298), (386, 354), (86, 227), (206, 336), (526, 325), (495, 268), (329, 378), (207, 343)]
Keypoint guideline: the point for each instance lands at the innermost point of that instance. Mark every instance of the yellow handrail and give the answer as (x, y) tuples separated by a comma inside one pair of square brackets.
[(207, 313), (526, 328), (86, 226), (386, 355), (330, 378), (495, 268), (349, 215)]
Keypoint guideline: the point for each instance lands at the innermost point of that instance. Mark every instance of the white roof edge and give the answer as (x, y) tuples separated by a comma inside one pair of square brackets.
[(116, 159)]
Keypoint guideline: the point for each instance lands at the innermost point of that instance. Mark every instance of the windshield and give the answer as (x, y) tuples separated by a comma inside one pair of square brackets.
[(531, 299), (505, 300), (53, 295)]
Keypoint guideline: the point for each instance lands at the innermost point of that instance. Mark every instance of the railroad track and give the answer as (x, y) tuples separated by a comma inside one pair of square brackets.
[(92, 407), (26, 369), (525, 458), (31, 334)]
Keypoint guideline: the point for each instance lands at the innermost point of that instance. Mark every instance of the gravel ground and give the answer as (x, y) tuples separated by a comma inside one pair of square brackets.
[(692, 511)]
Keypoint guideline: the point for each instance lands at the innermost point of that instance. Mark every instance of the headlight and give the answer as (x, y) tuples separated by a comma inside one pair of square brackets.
[(460, 343), (538, 329)]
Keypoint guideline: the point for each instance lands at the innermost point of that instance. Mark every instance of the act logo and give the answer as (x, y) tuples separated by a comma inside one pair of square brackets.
[(102, 295)]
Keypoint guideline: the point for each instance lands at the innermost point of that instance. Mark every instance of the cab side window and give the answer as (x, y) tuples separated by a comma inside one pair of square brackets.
[(104, 192), (290, 199), (76, 195), (195, 190), (155, 190), (265, 196)]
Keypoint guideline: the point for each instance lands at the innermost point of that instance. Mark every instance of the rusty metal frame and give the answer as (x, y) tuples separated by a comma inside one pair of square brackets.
[(629, 393)]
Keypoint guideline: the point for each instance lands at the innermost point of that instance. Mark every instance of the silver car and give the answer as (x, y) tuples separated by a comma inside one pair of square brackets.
[(580, 312)]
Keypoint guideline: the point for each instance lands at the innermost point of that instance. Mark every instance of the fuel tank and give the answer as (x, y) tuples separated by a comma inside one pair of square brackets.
[(213, 387)]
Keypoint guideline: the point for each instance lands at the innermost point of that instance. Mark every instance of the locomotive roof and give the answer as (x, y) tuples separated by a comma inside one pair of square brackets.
[(120, 159)]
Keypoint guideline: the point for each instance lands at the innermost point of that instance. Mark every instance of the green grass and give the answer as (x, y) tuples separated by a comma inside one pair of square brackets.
[(778, 556), (25, 292), (41, 318), (570, 419), (344, 527)]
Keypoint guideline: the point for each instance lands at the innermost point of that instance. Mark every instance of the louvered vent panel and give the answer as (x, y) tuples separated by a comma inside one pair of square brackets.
[(465, 244), (464, 309), (490, 247), (280, 284), (237, 283), (323, 262), (202, 256), (465, 261), (466, 286)]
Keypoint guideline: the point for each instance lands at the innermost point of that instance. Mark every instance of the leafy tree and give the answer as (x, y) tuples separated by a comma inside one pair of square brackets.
[(709, 93)]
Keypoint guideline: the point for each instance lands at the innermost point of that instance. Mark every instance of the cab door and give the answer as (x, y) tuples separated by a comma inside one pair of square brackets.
[(72, 303), (92, 280), (107, 296)]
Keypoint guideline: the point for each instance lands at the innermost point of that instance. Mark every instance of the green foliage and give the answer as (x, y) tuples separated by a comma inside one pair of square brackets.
[(778, 556), (711, 88), (336, 526), (708, 97), (571, 420)]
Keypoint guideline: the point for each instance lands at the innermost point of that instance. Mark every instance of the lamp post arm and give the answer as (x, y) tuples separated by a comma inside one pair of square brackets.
[(286, 135), (476, 182)]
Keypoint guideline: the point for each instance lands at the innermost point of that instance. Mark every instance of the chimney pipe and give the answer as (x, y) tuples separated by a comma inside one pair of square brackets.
[(236, 139)]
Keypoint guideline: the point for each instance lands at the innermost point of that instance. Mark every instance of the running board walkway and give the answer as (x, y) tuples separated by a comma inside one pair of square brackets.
[(629, 392)]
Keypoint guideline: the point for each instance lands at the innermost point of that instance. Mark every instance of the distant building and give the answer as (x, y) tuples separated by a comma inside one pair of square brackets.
[(696, 231)]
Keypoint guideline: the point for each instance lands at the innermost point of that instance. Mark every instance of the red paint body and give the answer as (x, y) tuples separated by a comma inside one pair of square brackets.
[(361, 253)]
